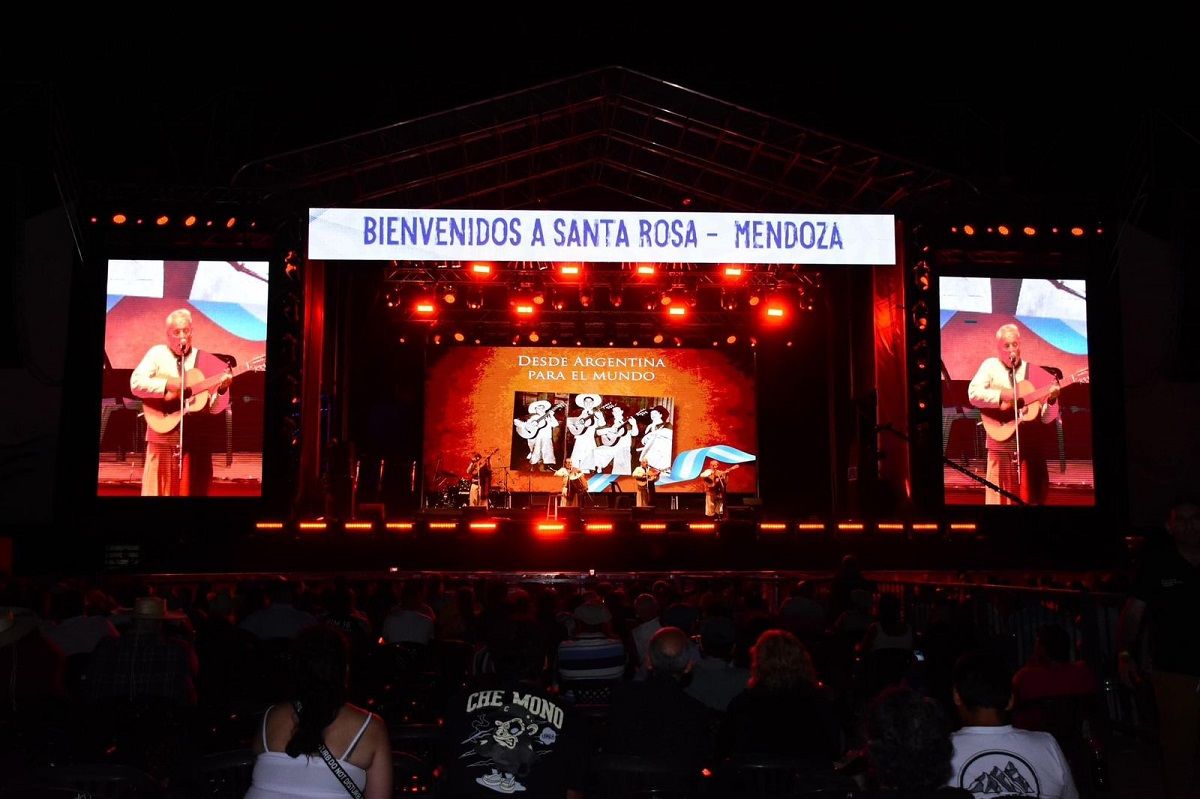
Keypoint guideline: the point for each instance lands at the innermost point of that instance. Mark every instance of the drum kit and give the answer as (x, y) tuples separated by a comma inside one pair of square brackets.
[(451, 490)]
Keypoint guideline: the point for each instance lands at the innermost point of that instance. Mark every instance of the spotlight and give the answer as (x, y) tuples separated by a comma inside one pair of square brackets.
[(231, 221), (921, 275), (733, 271), (616, 297), (658, 338), (162, 220), (459, 336), (1076, 232), (677, 311), (425, 307), (731, 339), (585, 296), (969, 230), (645, 270), (570, 271), (481, 269), (119, 219), (534, 338), (475, 299), (755, 298), (665, 299), (729, 300), (449, 295), (1003, 230), (1030, 230), (189, 221), (920, 315)]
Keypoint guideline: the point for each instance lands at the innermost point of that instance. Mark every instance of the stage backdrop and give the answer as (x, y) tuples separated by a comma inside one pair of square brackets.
[(228, 304), (533, 408), (1051, 318)]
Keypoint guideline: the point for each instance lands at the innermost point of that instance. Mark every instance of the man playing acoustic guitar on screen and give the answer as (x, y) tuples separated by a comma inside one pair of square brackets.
[(156, 381), (991, 390)]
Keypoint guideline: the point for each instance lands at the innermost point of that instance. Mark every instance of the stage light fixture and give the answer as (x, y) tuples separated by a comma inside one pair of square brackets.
[(481, 269), (524, 308), (162, 220), (1003, 230), (755, 298), (665, 299), (729, 300), (658, 338), (459, 336), (616, 297), (425, 307), (231, 221), (676, 311), (921, 275), (969, 230), (645, 270), (119, 219), (534, 338), (392, 297), (449, 294), (920, 315), (189, 221), (475, 299), (1076, 232), (733, 271), (731, 339), (585, 296), (557, 301), (570, 271)]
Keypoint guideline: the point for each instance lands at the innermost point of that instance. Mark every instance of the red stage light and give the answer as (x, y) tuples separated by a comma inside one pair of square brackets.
[(426, 307), (534, 338), (1030, 230), (525, 309), (460, 337), (1003, 229), (733, 271), (570, 270), (162, 220), (677, 310), (775, 312), (120, 219), (733, 340), (231, 221), (969, 230), (658, 338), (1076, 231), (645, 269), (480, 269)]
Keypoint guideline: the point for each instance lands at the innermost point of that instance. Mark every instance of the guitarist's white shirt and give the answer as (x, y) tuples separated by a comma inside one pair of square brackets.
[(149, 379), (984, 389)]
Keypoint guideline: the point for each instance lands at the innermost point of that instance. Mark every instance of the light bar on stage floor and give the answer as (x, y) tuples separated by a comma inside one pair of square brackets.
[(850, 527), (774, 527), (358, 527), (702, 527), (313, 527), (482, 527), (963, 527), (399, 527), (925, 527), (810, 527), (268, 525), (598, 528), (890, 527)]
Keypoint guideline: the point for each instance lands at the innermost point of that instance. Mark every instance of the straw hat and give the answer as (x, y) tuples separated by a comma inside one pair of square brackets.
[(539, 406), (579, 398)]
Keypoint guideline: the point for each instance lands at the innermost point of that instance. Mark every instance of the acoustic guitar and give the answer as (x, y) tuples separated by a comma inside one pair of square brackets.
[(529, 428), (163, 415), (716, 479), (1000, 425)]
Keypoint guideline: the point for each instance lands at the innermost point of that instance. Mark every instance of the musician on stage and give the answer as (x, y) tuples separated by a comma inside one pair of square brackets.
[(645, 476), (156, 381), (575, 484), (715, 481), (538, 431), (991, 390), (479, 472)]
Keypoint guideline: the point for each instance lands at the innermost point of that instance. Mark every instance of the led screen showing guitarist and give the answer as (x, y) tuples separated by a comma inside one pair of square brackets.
[(1004, 390), (537, 428), (197, 399)]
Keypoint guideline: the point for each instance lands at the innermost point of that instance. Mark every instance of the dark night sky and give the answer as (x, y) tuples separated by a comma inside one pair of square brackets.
[(1016, 102)]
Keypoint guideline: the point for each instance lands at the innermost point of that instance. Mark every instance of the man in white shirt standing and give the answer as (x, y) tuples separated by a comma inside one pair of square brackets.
[(990, 756)]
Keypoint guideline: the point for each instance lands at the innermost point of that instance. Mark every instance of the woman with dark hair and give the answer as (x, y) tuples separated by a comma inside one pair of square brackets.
[(908, 747), (658, 440), (317, 745), (782, 712)]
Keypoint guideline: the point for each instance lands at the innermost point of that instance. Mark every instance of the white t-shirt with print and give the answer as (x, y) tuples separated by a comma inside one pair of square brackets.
[(991, 761)]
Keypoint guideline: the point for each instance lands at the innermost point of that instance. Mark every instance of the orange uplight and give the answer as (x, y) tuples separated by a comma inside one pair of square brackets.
[(1003, 230), (962, 527), (570, 270), (399, 527), (645, 269), (890, 527), (525, 309), (268, 525), (1077, 231), (850, 527), (162, 220), (652, 527), (480, 269), (120, 219), (773, 527), (1030, 230), (313, 527), (733, 271), (924, 527), (702, 527), (482, 527), (425, 307), (358, 527), (443, 525), (549, 529), (969, 230), (189, 221), (676, 310), (598, 528), (811, 527)]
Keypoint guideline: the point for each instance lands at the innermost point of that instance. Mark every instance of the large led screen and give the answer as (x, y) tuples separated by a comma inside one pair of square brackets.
[(181, 407), (529, 410), (1038, 450)]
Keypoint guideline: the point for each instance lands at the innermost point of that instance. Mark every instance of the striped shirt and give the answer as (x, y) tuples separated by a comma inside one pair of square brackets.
[(591, 656)]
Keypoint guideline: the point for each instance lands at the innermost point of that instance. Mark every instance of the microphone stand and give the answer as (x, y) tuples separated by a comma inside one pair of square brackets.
[(182, 415), (1012, 376)]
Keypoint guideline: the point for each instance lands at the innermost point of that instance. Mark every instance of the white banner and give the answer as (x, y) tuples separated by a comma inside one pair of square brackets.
[(367, 234)]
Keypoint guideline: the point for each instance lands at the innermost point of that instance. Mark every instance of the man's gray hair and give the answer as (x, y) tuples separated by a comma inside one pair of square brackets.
[(181, 315), (1006, 329)]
